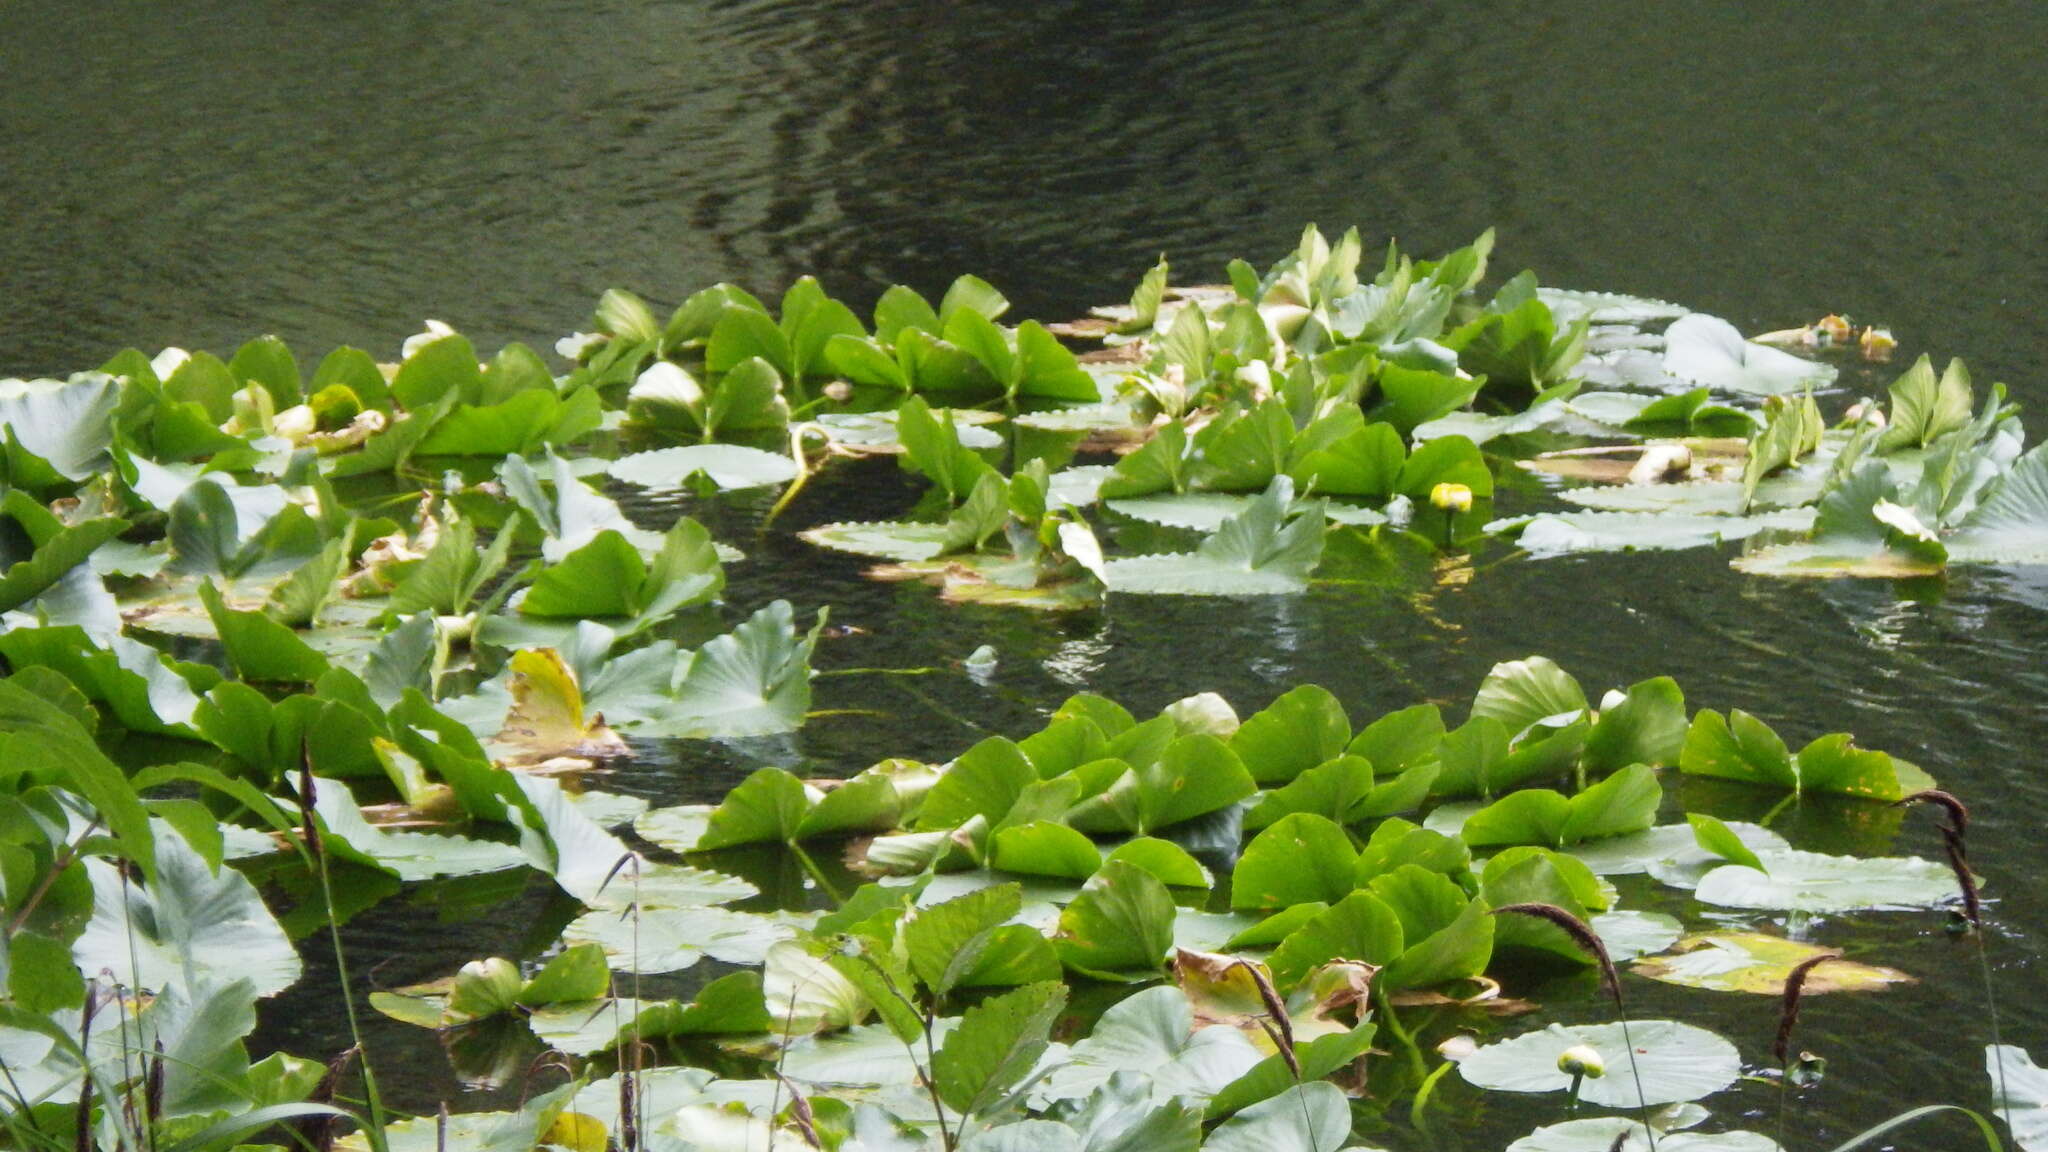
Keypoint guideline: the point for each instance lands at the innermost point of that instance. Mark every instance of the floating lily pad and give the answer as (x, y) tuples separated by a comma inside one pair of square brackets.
[(875, 432), (1667, 852), (1568, 304), (1795, 881), (1313, 1117), (2019, 1093), (884, 540), (671, 939), (1599, 1134), (865, 1056), (1081, 418), (1675, 1061), (1630, 932), (1153, 1034), (726, 465), (1700, 497), (1267, 550), (1708, 350), (1754, 962), (1557, 533), (1077, 487), (1206, 511)]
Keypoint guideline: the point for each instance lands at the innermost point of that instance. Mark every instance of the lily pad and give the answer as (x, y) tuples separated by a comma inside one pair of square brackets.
[(2019, 1092), (1675, 1061), (883, 540), (1313, 1117), (670, 939), (192, 921), (1559, 533), (1754, 962), (1268, 550), (1708, 350), (1795, 881), (726, 465), (1629, 933), (1153, 1034), (1671, 846), (1788, 489), (1621, 1134)]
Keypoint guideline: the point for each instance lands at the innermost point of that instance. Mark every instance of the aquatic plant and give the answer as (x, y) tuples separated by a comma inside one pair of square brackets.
[(278, 647)]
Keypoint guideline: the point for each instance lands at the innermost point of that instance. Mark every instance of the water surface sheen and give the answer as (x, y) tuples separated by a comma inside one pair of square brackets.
[(203, 172)]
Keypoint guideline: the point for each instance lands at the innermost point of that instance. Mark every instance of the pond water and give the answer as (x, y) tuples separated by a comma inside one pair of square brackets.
[(199, 173)]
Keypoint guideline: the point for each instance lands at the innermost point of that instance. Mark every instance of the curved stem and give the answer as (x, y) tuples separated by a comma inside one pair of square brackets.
[(1385, 1005), (797, 433)]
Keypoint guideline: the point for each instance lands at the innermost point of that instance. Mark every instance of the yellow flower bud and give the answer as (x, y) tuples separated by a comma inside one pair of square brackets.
[(1581, 1060), (1451, 497)]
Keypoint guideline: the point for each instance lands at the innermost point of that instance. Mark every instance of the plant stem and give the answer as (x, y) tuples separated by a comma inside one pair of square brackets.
[(950, 1140), (797, 433), (1991, 1015), (816, 873), (375, 1132), (49, 878), (1784, 1091), (1642, 1101), (1417, 1107), (1386, 1012)]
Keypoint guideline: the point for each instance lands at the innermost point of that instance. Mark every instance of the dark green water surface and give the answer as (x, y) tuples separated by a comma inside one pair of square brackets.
[(202, 172)]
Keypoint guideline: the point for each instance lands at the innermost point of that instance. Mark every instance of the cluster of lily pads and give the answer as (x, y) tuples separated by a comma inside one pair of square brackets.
[(1286, 886), (340, 633)]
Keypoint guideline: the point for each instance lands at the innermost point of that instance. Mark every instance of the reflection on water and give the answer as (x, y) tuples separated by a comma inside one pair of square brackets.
[(202, 172)]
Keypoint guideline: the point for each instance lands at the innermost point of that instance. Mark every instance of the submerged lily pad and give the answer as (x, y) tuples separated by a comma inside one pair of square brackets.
[(1675, 1061), (1754, 962)]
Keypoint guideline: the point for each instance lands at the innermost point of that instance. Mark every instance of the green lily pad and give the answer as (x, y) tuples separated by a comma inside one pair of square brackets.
[(1267, 550), (883, 540), (191, 921), (1107, 417), (1153, 1035), (1667, 851), (1675, 1061), (1788, 489), (1795, 881), (1629, 932), (1560, 533), (865, 1056), (670, 939), (1599, 1133), (726, 465), (405, 854), (1313, 1117), (729, 1005)]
